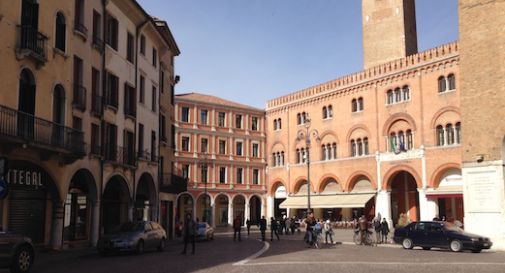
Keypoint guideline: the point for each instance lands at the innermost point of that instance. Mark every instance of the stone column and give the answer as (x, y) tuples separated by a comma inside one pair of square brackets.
[(446, 137), (423, 206), (95, 222), (57, 225), (230, 212), (270, 207), (432, 209), (384, 205), (247, 210)]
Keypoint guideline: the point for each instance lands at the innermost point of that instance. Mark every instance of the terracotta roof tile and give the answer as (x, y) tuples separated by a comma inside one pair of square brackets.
[(198, 97)]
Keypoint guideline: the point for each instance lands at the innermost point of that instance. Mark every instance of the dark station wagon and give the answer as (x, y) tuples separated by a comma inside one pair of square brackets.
[(439, 235)]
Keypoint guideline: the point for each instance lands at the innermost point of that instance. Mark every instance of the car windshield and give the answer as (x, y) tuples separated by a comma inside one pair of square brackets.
[(129, 227), (452, 227)]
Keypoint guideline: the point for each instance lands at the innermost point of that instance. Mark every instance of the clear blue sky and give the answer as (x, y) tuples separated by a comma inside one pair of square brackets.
[(250, 51)]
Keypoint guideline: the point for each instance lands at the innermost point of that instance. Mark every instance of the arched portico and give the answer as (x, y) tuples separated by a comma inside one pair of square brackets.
[(146, 204), (204, 208), (116, 203), (222, 204)]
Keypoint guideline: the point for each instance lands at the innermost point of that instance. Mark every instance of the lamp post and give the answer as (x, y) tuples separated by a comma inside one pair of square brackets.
[(306, 134), (203, 165)]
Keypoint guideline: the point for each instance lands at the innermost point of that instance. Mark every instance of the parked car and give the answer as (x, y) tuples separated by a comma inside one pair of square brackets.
[(205, 231), (16, 252), (135, 237), (433, 234)]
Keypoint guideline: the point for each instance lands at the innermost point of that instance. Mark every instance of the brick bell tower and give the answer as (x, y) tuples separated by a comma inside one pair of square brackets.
[(389, 30)]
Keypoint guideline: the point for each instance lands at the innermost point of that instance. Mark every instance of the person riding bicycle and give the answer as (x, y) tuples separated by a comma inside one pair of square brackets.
[(363, 228), (310, 221)]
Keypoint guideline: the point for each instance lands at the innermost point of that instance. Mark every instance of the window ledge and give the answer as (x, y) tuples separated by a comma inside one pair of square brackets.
[(447, 92), (60, 52), (83, 35), (397, 103)]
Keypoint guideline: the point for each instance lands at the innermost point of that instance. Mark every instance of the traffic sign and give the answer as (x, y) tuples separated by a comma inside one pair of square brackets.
[(4, 188)]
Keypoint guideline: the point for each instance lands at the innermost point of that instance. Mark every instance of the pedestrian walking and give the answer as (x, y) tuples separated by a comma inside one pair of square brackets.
[(273, 229), (328, 231), (293, 225), (288, 225), (248, 225), (363, 228), (384, 231), (310, 222), (189, 232), (263, 227), (377, 227), (237, 226)]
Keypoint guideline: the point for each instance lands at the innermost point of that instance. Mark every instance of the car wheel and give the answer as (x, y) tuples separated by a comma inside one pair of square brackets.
[(161, 247), (140, 247), (456, 246), (426, 248), (407, 243), (477, 250), (22, 260)]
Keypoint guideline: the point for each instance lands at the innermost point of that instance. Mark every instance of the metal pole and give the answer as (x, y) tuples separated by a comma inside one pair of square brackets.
[(307, 142)]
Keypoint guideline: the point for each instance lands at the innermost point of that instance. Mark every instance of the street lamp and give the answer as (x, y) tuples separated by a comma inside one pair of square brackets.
[(203, 165), (306, 134)]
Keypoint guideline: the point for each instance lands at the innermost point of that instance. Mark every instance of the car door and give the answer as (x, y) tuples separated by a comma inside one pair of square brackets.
[(418, 234), (437, 236)]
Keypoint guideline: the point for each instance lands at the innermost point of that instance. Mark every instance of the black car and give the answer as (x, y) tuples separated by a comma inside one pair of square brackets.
[(16, 252), (439, 235)]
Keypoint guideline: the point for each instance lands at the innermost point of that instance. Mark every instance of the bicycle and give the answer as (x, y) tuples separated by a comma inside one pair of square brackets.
[(369, 241)]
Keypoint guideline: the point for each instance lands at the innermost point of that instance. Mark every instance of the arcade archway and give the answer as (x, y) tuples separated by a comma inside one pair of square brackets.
[(145, 199), (115, 203), (404, 196)]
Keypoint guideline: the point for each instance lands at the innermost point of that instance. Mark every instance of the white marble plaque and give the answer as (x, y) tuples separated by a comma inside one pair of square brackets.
[(482, 190)]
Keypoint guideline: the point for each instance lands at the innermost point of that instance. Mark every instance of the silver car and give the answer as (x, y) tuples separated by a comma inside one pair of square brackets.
[(135, 237)]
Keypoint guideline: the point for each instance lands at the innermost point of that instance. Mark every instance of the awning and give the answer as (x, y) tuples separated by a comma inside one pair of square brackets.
[(445, 191), (328, 201)]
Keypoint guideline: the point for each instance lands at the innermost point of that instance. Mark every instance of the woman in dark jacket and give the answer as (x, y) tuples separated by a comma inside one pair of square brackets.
[(384, 230)]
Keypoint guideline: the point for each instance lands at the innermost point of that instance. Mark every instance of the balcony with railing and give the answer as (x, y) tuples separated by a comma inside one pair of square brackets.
[(123, 156), (98, 43), (23, 128), (171, 183), (79, 100), (32, 43), (96, 105)]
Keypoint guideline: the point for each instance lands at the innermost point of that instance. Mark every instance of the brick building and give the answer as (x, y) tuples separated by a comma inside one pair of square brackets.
[(220, 151), (384, 140)]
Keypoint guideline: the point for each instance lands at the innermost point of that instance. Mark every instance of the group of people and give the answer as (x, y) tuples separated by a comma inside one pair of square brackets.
[(381, 230), (316, 227)]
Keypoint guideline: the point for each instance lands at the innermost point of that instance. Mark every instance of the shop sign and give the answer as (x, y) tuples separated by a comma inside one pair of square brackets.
[(25, 176)]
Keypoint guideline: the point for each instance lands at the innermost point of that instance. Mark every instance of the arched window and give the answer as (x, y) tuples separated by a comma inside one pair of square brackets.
[(298, 156), (458, 133), (334, 150), (282, 158), (298, 119), (274, 160), (452, 81), (325, 114), (406, 93), (398, 95), (393, 142), (304, 155), (304, 117), (353, 147), (275, 124), (360, 104), (60, 32), (441, 84), (279, 124), (450, 134), (354, 105), (59, 105), (440, 135), (330, 111), (365, 146), (390, 96), (410, 141), (360, 146), (323, 152), (401, 141)]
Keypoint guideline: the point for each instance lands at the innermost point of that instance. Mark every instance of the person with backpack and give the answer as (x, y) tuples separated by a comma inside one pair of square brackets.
[(263, 227), (377, 227), (328, 231)]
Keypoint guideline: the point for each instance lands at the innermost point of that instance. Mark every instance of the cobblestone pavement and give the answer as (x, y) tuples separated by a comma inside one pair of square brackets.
[(290, 254)]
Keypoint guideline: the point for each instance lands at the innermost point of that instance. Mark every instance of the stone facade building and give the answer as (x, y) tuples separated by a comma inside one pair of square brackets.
[(68, 112), (220, 151), (384, 140)]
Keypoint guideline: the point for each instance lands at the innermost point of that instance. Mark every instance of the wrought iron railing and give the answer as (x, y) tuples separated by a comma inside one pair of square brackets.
[(79, 101), (120, 155), (26, 127), (111, 98), (31, 39), (96, 105)]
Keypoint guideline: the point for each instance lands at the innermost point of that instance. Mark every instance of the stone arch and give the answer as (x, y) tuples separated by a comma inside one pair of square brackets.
[(276, 144), (395, 170), (440, 171), (146, 199), (275, 185), (90, 183), (442, 112), (354, 178), (329, 136), (116, 201), (107, 180), (299, 182), (355, 128), (326, 179), (394, 118)]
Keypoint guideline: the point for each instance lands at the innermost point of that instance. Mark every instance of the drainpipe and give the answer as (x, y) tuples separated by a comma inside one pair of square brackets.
[(102, 137), (137, 35)]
